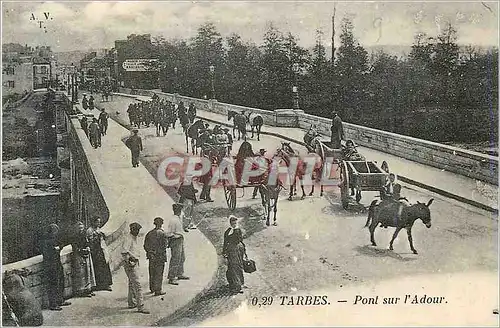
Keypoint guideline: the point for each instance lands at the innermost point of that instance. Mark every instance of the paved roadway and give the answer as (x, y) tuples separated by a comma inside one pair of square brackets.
[(319, 246)]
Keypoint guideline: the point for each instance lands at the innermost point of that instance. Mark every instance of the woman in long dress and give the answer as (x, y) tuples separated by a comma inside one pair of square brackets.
[(83, 271), (100, 257), (234, 252)]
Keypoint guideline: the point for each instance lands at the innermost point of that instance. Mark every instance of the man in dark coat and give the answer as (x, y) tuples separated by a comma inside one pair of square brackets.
[(337, 131), (155, 245), (85, 102), (91, 102), (134, 143), (53, 269), (95, 134), (85, 125), (103, 121), (191, 113)]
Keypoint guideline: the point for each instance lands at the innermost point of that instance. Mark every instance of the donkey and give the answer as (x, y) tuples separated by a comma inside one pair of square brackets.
[(399, 215)]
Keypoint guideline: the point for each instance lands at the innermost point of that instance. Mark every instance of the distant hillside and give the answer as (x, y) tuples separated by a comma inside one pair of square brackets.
[(69, 57)]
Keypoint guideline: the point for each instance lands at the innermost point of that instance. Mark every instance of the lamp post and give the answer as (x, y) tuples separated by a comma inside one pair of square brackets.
[(176, 81), (212, 77), (295, 88)]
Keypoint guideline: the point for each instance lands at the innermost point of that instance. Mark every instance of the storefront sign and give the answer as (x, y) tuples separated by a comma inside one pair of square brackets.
[(140, 65)]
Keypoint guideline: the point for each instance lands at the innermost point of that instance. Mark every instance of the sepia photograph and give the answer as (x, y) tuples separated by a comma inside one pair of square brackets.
[(250, 163)]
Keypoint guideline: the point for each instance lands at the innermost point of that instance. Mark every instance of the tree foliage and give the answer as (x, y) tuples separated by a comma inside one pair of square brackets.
[(440, 91)]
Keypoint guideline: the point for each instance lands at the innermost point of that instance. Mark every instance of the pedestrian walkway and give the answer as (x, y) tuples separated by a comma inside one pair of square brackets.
[(441, 181), (132, 194)]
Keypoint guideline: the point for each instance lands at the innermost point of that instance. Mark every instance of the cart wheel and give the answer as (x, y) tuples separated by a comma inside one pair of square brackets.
[(230, 193), (358, 195), (344, 187)]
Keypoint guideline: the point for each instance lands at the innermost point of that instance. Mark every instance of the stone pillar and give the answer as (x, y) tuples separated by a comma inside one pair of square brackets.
[(287, 117)]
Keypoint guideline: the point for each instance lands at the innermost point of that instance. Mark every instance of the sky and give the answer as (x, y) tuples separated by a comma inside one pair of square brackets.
[(83, 25)]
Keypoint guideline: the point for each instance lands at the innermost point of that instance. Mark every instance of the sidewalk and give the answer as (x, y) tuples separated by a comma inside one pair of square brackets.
[(448, 184), (132, 194)]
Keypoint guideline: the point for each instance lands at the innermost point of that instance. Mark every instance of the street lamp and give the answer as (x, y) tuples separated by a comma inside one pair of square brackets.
[(295, 88), (176, 86), (212, 75)]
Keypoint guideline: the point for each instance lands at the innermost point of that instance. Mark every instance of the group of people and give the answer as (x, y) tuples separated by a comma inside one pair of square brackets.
[(160, 111), (97, 127), (155, 245), (90, 262)]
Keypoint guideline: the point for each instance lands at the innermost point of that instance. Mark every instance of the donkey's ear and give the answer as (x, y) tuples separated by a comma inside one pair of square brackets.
[(430, 202)]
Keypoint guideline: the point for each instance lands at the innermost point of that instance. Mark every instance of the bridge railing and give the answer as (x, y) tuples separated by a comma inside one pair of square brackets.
[(456, 160)]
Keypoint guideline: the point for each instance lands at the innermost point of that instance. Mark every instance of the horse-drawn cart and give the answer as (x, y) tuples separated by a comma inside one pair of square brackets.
[(360, 176), (356, 174), (237, 182)]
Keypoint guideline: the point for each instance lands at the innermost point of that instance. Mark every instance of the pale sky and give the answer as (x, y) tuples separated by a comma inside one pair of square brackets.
[(83, 25)]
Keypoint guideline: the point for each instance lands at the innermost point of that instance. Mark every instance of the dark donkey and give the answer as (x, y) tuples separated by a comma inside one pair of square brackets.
[(391, 213), (239, 123)]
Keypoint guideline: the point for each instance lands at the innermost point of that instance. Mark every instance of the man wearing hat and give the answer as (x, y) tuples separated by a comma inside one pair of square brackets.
[(85, 102), (134, 143), (337, 131), (261, 153), (103, 121), (131, 254), (155, 245), (176, 244), (230, 140)]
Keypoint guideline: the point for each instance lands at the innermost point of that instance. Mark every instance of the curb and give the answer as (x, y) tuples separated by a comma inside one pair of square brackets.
[(400, 177)]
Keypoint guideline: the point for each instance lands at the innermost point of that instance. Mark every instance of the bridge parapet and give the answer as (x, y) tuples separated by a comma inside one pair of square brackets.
[(456, 160)]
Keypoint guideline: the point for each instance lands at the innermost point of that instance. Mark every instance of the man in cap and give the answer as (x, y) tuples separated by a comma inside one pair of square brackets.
[(337, 131), (176, 244), (134, 143), (103, 121), (155, 245), (131, 254)]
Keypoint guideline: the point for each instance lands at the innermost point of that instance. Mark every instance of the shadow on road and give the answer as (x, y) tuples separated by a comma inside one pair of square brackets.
[(377, 252)]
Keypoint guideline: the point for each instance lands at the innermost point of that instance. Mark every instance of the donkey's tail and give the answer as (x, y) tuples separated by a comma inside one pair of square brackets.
[(371, 210)]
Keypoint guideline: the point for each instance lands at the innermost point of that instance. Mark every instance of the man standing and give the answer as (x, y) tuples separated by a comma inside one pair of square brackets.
[(95, 133), (134, 143), (337, 131), (103, 121), (155, 245), (205, 191), (187, 194), (52, 267), (91, 102), (131, 255), (85, 102), (230, 141), (176, 243)]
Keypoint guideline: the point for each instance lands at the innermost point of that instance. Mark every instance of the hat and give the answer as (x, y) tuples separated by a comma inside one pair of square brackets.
[(135, 225), (177, 207), (225, 129), (262, 150), (158, 220)]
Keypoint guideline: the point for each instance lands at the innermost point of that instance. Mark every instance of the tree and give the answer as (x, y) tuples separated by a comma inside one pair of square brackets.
[(351, 65)]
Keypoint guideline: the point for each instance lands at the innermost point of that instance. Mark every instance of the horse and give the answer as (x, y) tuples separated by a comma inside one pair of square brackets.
[(256, 121), (240, 123), (269, 195), (192, 132), (286, 153), (392, 213)]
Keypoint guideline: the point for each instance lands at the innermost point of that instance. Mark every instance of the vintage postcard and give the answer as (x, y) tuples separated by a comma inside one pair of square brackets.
[(250, 163)]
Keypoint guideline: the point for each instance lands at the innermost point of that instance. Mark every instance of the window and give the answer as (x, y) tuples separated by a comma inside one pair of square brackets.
[(10, 84), (44, 69)]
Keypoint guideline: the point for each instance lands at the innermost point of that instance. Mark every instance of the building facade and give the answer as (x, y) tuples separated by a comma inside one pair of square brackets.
[(17, 76)]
